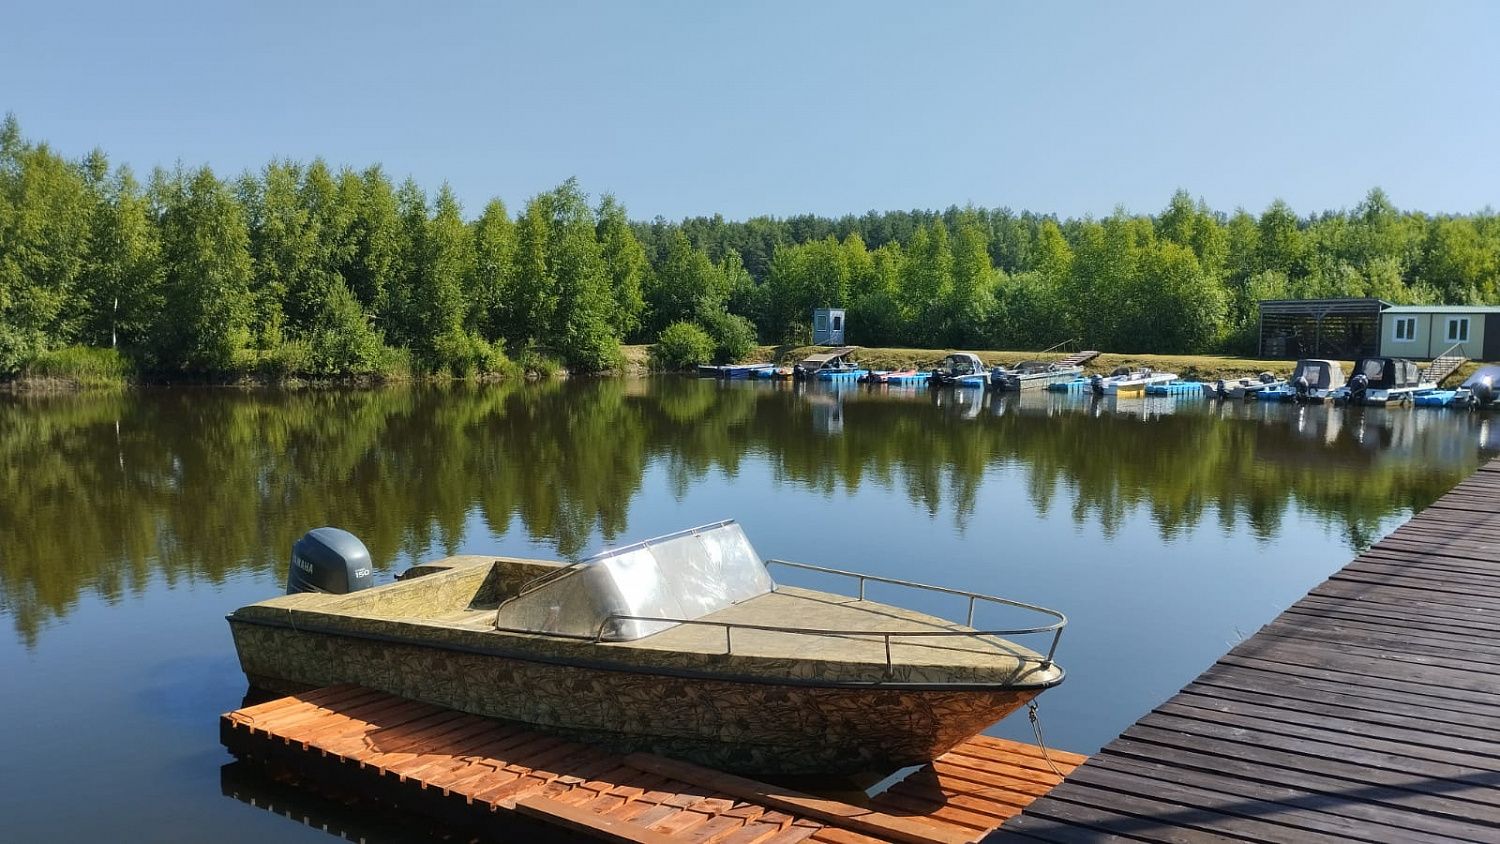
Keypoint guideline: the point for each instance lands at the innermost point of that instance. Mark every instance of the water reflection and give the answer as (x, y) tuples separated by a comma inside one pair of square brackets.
[(101, 493)]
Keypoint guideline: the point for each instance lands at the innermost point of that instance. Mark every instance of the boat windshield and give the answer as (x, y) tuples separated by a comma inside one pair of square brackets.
[(684, 575)]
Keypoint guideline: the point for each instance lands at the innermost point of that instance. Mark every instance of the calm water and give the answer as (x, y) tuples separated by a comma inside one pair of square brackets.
[(130, 525)]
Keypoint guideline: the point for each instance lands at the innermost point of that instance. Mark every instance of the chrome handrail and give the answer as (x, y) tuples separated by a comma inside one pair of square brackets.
[(862, 578), (886, 636)]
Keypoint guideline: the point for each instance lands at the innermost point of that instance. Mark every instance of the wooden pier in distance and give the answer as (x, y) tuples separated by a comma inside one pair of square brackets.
[(1368, 711), (497, 777)]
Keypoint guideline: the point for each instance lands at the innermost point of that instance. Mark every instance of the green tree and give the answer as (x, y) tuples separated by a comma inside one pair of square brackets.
[(584, 322), (123, 273), (45, 210), (494, 271), (204, 324), (626, 263)]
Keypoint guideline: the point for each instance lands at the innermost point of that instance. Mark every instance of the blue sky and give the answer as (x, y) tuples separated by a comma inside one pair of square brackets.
[(685, 108)]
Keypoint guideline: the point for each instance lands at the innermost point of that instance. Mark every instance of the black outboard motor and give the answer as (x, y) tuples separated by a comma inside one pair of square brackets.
[(1482, 393), (1267, 378), (330, 560), (1220, 392), (1096, 384), (1301, 387), (1358, 386)]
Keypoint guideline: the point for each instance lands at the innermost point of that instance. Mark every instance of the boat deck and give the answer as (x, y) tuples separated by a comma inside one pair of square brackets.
[(808, 609), (499, 777), (1369, 710)]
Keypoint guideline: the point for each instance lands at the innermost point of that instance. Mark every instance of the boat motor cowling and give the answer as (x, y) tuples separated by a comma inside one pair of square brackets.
[(1358, 386), (1482, 393), (1302, 386), (330, 560)]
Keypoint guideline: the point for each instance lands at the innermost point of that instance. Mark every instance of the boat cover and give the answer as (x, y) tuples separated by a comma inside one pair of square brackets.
[(1321, 374), (1490, 374), (684, 575), (1386, 373), (961, 363), (813, 363)]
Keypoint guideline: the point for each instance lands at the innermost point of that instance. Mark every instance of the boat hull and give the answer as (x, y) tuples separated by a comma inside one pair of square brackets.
[(748, 726)]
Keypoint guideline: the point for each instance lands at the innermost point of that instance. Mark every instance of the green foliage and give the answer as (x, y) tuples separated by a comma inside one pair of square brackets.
[(732, 334), (204, 324), (682, 345), (301, 270), (84, 366)]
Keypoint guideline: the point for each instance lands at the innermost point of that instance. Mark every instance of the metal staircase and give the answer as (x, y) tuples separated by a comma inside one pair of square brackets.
[(1444, 365)]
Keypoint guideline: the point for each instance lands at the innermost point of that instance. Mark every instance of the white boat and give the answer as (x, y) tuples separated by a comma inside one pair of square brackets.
[(1129, 382)]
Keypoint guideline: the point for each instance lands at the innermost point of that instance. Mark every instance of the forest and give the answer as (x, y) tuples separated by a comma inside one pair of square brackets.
[(301, 269)]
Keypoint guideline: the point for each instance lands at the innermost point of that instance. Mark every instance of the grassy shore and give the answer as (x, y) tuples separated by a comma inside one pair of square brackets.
[(73, 369)]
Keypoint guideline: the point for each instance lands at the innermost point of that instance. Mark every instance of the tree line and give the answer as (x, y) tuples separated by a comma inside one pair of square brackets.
[(301, 269)]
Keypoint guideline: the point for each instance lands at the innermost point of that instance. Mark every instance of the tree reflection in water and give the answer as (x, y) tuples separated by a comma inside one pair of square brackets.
[(101, 493)]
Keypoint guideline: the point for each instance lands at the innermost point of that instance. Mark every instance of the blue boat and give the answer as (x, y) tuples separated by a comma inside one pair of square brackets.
[(832, 365), (841, 374), (1076, 385), (1176, 388), (1478, 391), (734, 370), (960, 369)]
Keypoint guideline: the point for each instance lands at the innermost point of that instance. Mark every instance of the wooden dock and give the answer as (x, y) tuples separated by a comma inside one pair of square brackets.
[(498, 778), (1369, 710)]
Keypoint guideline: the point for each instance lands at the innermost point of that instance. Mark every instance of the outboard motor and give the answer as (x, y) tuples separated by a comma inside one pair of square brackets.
[(1219, 390), (1358, 386), (1301, 387), (329, 560), (1096, 384), (1267, 378), (1482, 394)]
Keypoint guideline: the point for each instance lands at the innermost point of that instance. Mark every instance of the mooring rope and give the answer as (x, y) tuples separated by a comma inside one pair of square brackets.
[(1036, 727)]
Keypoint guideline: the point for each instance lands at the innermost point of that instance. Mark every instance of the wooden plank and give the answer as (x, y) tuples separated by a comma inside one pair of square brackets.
[(828, 811), (587, 823)]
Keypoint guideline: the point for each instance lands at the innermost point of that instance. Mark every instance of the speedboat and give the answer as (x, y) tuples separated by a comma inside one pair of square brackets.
[(1479, 391), (960, 369), (682, 645), (834, 365), (1312, 381), (734, 370), (1125, 382), (1243, 388), (1032, 375), (895, 376), (1380, 381)]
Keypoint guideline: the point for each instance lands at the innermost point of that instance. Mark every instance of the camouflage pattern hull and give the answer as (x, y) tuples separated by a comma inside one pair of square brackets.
[(747, 726)]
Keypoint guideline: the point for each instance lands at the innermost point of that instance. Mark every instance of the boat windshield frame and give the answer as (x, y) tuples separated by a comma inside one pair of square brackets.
[(974, 598)]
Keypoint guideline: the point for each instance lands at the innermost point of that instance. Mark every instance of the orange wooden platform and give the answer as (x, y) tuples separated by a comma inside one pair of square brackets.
[(477, 772)]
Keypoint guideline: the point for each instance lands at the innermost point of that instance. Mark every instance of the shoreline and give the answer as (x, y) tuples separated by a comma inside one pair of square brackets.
[(1195, 367)]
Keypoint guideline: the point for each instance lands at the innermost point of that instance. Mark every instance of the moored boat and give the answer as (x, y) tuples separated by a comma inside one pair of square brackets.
[(1479, 391), (833, 365), (1379, 381), (1312, 381), (1032, 375), (1242, 388), (682, 645), (960, 369), (895, 376), (1128, 383), (733, 370)]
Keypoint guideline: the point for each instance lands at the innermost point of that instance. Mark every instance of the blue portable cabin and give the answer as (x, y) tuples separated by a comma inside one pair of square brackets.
[(828, 326)]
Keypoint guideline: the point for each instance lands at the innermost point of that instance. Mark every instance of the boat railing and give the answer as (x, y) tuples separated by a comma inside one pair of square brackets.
[(609, 622), (885, 636), (974, 598)]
